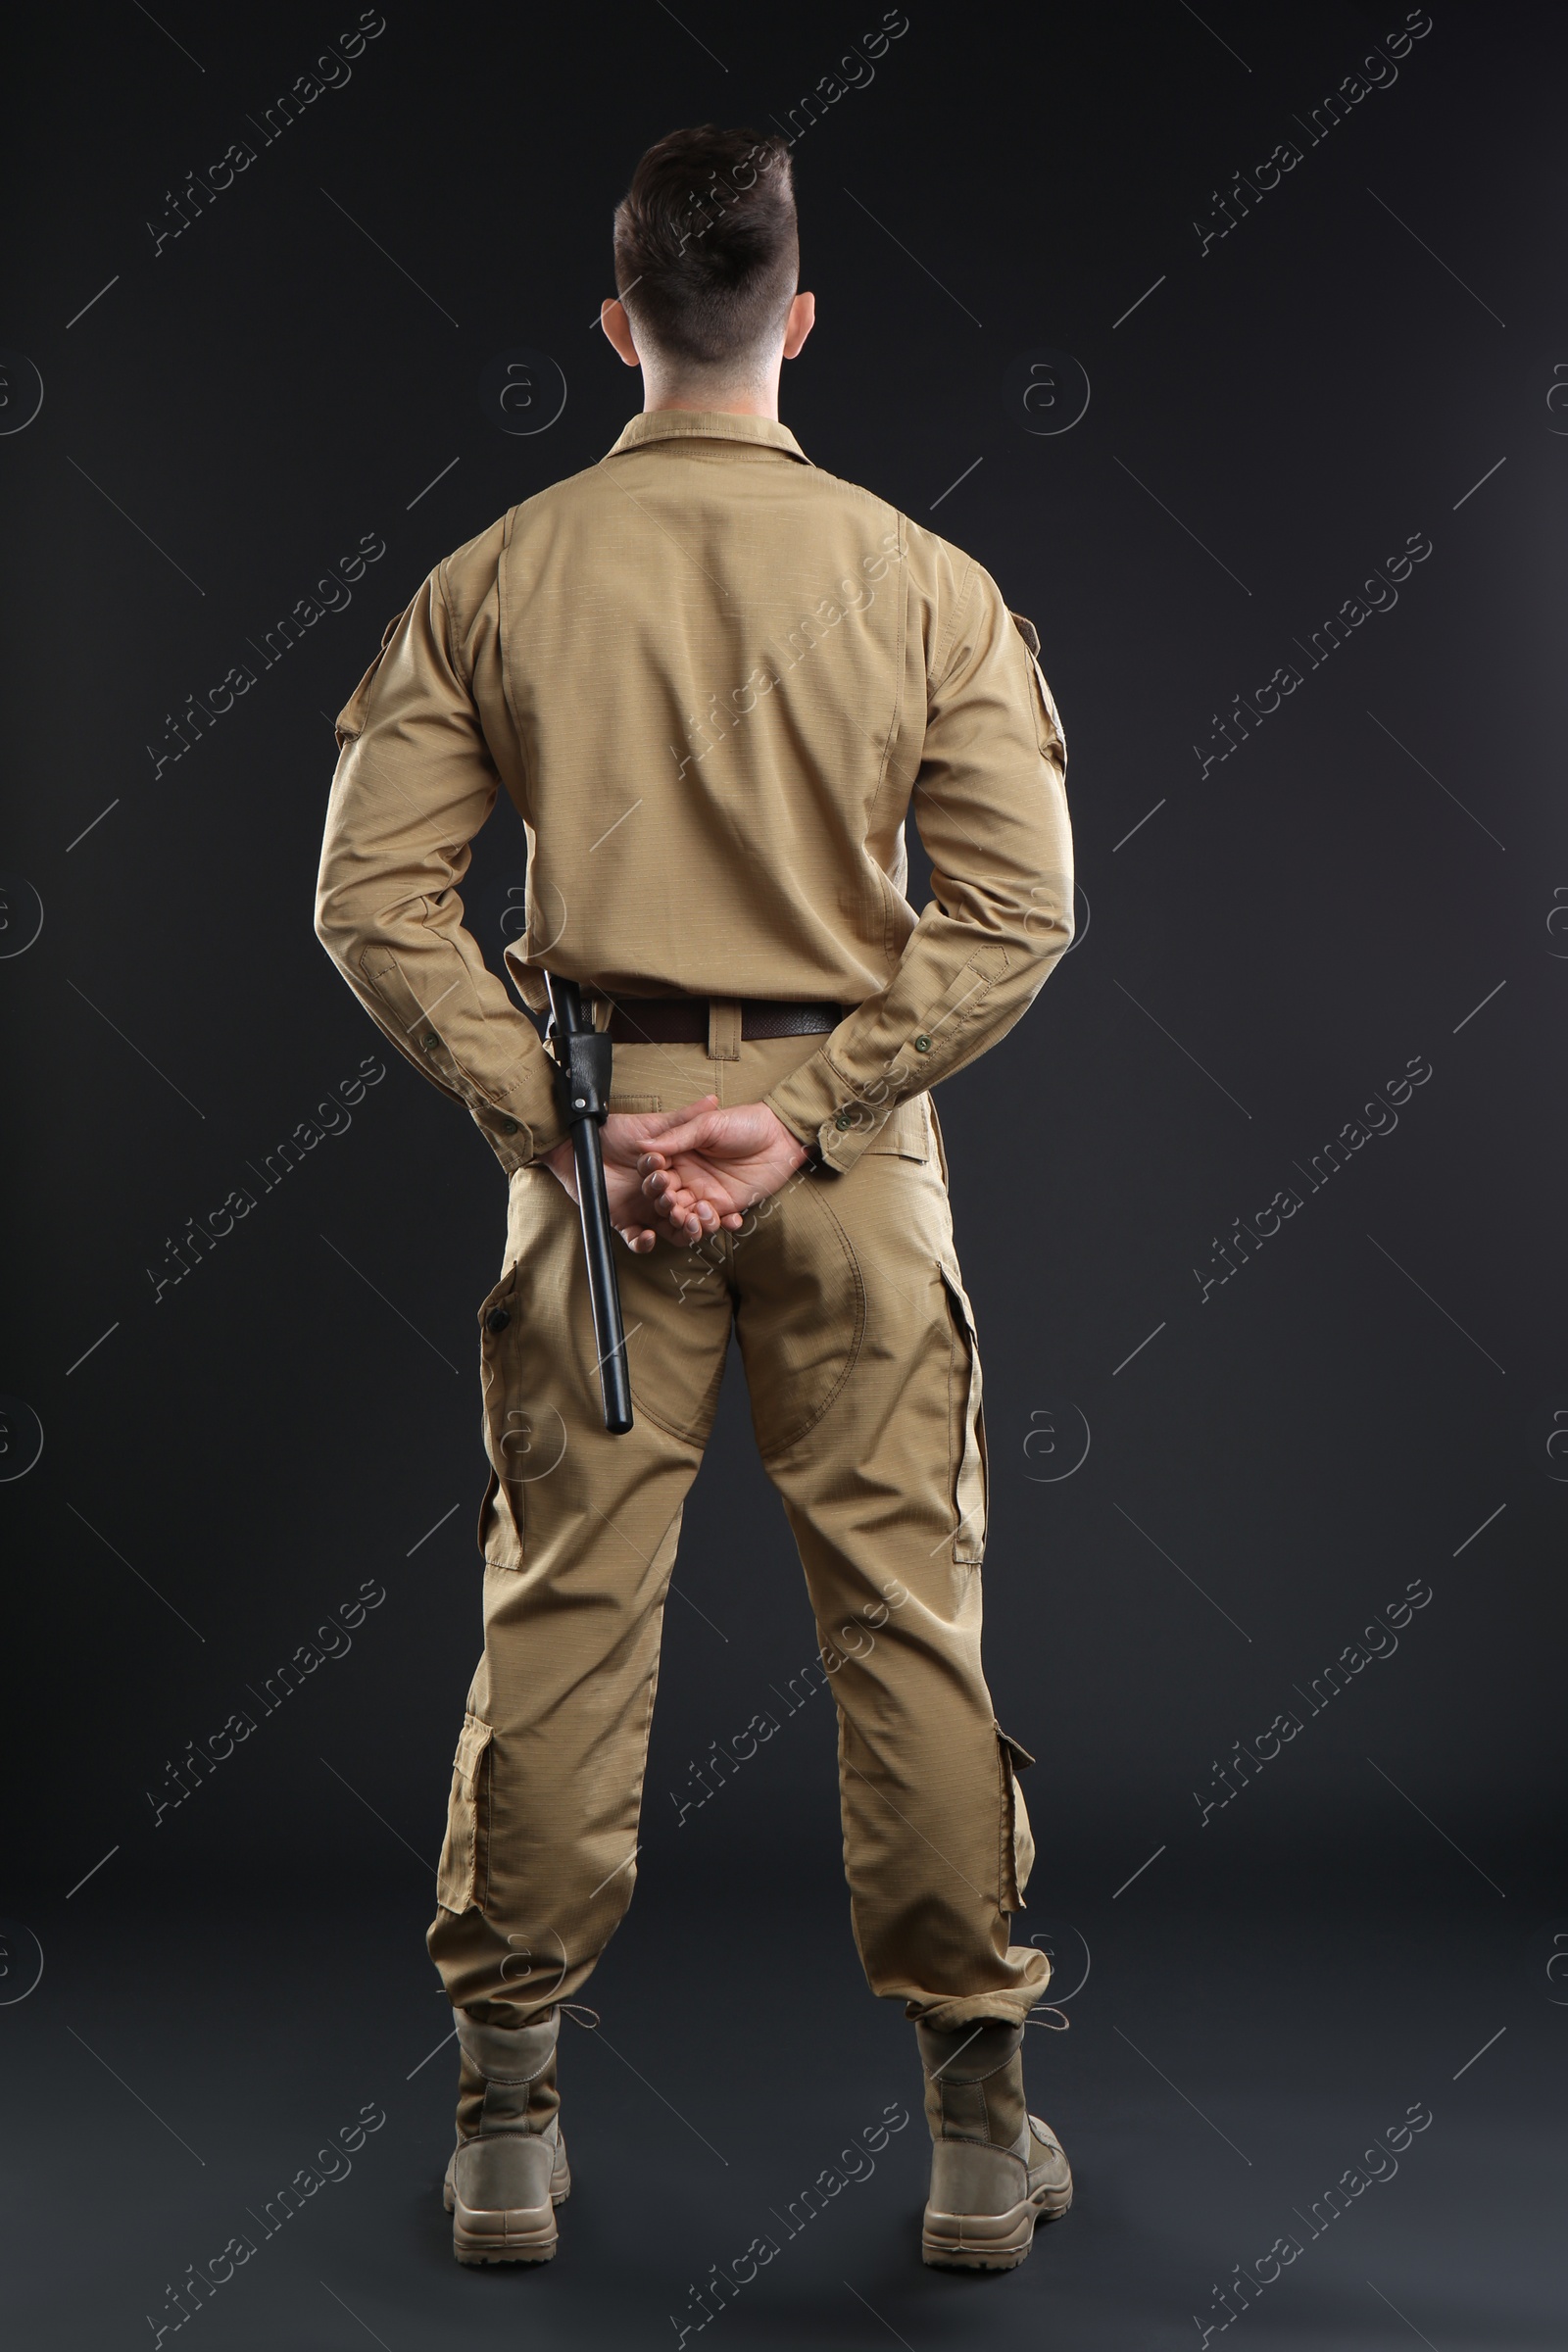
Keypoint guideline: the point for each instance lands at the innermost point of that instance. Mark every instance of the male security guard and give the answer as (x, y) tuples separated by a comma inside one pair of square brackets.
[(715, 682)]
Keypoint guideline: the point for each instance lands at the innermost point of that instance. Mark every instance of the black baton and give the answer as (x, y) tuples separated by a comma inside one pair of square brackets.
[(582, 1090)]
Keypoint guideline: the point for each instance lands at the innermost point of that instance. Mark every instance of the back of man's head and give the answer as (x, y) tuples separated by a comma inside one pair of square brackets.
[(706, 250)]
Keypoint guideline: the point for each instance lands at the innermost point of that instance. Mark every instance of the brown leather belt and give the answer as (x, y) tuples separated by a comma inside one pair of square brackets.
[(683, 1020)]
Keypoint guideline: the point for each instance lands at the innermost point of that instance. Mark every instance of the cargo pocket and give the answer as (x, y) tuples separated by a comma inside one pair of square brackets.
[(968, 1471), (508, 1431), (1017, 1839), (461, 1875)]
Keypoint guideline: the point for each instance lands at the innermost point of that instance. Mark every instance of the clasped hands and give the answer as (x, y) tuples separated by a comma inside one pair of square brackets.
[(683, 1175)]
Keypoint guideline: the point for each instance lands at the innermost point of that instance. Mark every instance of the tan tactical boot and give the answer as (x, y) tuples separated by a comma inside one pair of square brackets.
[(508, 2170), (996, 2169)]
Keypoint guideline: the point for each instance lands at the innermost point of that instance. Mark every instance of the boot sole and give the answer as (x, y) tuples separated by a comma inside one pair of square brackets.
[(526, 2233), (986, 2242), (536, 2242)]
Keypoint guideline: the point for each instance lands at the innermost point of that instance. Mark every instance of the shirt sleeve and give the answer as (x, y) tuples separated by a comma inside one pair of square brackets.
[(991, 806), (414, 785)]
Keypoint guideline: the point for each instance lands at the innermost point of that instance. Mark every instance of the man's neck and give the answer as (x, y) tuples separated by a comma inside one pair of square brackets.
[(731, 401)]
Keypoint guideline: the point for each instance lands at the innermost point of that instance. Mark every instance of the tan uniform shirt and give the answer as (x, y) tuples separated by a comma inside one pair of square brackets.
[(715, 682)]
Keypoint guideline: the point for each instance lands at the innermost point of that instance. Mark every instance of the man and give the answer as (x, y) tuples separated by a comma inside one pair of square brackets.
[(715, 682)]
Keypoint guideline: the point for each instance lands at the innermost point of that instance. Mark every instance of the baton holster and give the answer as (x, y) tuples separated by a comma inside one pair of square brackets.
[(583, 1058)]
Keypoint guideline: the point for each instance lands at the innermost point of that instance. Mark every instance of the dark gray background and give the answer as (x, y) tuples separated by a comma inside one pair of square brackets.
[(1371, 878)]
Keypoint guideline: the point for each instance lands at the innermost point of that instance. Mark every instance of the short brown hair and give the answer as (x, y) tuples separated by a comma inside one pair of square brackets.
[(707, 249)]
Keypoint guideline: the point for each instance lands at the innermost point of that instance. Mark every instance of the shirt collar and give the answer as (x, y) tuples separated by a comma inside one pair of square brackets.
[(709, 425)]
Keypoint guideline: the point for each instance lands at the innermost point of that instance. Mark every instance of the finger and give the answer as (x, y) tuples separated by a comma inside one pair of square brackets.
[(657, 1121), (668, 1194), (704, 1130), (676, 1202), (696, 1211), (680, 1215), (671, 1230)]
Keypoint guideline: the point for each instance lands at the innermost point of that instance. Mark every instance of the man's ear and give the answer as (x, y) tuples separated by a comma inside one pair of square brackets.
[(799, 323), (617, 328)]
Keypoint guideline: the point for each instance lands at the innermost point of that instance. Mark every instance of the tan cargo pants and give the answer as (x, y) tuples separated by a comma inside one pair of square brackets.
[(859, 1352)]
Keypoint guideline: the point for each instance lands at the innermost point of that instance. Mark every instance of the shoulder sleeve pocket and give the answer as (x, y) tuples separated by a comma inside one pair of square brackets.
[(1048, 719), (351, 719)]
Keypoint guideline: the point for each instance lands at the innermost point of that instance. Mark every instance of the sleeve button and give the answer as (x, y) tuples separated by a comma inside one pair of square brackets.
[(429, 1041), (508, 1126), (497, 1319), (922, 1045), (842, 1121)]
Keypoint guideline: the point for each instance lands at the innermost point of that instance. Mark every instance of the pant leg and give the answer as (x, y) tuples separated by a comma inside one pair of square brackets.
[(578, 1530), (865, 1378)]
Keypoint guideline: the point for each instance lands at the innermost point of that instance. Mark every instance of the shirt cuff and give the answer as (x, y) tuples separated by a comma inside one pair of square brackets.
[(520, 1120), (818, 1107), (514, 1142), (514, 1108), (524, 1123)]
